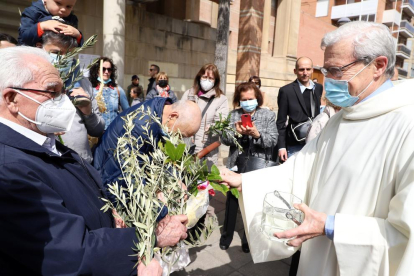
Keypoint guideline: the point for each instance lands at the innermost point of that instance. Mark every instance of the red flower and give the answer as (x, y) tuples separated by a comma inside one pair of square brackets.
[(212, 192), (203, 185)]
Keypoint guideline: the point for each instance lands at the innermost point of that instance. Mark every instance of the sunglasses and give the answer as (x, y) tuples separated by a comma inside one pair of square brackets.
[(106, 69), (151, 69)]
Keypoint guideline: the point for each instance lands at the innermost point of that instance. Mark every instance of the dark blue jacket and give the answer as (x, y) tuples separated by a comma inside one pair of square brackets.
[(50, 217), (104, 160), (31, 16)]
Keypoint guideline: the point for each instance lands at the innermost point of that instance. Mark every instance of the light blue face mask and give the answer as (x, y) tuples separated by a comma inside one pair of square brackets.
[(105, 81), (337, 90), (249, 106)]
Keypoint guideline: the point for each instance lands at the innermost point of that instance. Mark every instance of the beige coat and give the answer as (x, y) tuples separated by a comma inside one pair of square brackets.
[(219, 105)]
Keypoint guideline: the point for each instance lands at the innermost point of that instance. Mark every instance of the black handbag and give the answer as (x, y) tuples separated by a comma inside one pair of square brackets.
[(300, 130), (247, 162)]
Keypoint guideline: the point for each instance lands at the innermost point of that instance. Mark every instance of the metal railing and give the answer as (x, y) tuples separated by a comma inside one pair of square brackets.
[(407, 25), (409, 2), (402, 72), (404, 49)]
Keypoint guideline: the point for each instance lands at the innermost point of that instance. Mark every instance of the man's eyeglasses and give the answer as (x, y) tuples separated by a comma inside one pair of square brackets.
[(337, 72), (106, 69), (57, 95), (151, 69)]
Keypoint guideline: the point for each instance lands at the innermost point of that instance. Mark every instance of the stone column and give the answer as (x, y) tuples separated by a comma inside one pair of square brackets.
[(222, 42), (287, 28), (114, 34), (266, 22), (250, 39)]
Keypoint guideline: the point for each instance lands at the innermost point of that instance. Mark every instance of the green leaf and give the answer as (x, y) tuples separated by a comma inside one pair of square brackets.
[(219, 187), (235, 192), (215, 170), (175, 153)]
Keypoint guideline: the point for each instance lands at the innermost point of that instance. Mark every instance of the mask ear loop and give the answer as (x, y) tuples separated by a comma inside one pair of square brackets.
[(30, 98)]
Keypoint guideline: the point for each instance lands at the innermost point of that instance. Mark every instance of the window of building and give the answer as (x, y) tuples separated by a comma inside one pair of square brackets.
[(322, 7)]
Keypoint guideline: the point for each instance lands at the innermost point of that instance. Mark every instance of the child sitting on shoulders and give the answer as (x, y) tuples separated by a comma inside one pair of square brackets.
[(48, 15)]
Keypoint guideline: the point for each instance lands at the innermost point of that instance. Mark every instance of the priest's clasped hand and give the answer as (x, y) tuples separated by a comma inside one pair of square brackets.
[(312, 226), (231, 179)]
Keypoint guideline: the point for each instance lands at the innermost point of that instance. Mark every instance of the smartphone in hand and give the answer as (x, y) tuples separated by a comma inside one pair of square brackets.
[(246, 120)]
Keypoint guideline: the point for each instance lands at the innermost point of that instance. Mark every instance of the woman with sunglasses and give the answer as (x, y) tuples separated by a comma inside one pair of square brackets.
[(113, 95)]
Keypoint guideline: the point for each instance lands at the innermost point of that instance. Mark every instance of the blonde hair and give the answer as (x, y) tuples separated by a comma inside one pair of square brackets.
[(161, 74)]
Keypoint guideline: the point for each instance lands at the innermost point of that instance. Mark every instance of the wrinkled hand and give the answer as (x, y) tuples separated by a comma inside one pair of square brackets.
[(86, 109), (251, 131), (152, 269), (52, 25), (119, 222), (312, 226), (170, 230), (231, 179), (283, 155), (69, 30)]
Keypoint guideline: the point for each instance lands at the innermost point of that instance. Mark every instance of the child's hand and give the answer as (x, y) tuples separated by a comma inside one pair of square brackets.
[(69, 30), (51, 25)]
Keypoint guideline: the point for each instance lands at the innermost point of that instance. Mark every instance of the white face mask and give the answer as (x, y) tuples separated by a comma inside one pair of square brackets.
[(52, 115), (206, 85)]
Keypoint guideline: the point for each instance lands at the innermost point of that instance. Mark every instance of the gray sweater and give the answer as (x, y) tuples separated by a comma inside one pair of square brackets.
[(265, 122), (93, 125)]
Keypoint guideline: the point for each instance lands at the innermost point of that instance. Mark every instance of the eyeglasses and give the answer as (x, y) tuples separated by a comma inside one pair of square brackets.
[(57, 95), (337, 72), (207, 78), (151, 69), (106, 69)]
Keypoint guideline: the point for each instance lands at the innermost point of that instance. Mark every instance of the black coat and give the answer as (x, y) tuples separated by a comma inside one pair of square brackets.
[(291, 103), (50, 217)]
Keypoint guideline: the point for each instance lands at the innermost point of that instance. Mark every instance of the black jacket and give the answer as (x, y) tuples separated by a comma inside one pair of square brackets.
[(291, 103), (50, 217)]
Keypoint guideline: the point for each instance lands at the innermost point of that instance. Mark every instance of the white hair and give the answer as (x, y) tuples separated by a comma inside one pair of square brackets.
[(369, 40), (14, 69)]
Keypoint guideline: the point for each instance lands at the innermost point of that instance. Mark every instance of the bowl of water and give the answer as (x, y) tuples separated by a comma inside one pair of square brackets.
[(279, 215)]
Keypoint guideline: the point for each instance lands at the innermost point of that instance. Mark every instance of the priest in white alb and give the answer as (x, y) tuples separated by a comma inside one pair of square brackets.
[(356, 178)]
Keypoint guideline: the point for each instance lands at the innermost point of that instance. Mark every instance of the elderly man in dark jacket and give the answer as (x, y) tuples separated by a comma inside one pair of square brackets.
[(50, 217), (182, 115)]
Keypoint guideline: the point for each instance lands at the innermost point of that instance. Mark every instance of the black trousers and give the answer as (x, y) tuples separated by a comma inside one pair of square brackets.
[(232, 206)]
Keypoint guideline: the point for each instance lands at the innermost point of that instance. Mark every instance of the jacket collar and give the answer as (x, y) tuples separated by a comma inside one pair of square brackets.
[(14, 139), (208, 94)]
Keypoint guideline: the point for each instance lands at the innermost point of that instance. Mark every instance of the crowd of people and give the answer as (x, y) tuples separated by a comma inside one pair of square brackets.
[(351, 161)]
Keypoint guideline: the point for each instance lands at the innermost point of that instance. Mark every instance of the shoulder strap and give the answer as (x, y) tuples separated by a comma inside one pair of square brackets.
[(207, 106), (119, 96)]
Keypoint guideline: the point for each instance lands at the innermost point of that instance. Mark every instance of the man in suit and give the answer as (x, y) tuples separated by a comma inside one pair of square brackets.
[(299, 100)]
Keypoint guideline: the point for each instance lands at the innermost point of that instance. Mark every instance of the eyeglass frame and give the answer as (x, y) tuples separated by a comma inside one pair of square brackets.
[(107, 69), (57, 97), (325, 71)]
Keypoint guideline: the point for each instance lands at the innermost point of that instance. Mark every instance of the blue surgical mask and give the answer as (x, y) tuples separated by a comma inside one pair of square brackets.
[(249, 106), (105, 81), (337, 91)]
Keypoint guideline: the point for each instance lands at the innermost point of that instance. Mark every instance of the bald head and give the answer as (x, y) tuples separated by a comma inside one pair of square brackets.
[(183, 115), (304, 70)]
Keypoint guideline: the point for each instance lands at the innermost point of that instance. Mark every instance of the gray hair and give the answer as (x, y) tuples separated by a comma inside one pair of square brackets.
[(369, 40), (14, 69)]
